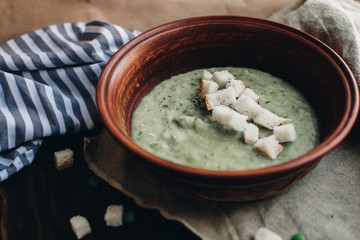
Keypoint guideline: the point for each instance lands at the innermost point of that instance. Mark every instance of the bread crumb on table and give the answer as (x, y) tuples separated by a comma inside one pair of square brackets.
[(80, 226), (265, 234), (64, 159), (114, 216)]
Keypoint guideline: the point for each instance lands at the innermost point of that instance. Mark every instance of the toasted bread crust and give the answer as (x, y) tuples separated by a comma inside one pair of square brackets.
[(207, 103), (277, 151), (200, 90), (64, 165), (241, 83), (285, 121)]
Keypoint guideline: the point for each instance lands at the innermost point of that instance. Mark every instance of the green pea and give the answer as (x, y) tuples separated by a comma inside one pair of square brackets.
[(298, 236), (129, 217), (94, 182)]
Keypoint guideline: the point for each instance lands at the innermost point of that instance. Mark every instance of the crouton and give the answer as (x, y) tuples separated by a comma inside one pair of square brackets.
[(221, 97), (250, 93), (63, 159), (238, 85), (229, 117), (245, 105), (114, 215), (269, 119), (80, 226), (222, 77), (251, 133), (265, 234), (207, 87), (268, 146), (206, 75), (285, 133)]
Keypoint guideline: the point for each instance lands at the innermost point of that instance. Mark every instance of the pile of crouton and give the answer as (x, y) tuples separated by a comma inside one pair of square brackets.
[(236, 106)]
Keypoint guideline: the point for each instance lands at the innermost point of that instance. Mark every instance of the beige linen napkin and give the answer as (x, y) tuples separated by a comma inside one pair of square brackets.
[(335, 22), (326, 203)]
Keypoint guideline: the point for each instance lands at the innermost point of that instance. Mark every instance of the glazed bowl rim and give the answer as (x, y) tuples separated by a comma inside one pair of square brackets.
[(330, 142)]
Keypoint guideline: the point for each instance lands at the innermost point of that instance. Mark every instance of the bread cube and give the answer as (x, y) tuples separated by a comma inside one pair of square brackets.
[(285, 133), (228, 117), (250, 93), (265, 234), (251, 133), (80, 226), (114, 215), (63, 159), (246, 106), (268, 146), (222, 77), (221, 97), (206, 75), (207, 87), (269, 120), (238, 86), (221, 114)]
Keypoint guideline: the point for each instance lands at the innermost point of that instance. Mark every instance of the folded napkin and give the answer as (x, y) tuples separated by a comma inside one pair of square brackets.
[(325, 204), (47, 85)]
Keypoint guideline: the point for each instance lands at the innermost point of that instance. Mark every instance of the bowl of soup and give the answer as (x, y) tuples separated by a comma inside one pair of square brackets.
[(148, 97)]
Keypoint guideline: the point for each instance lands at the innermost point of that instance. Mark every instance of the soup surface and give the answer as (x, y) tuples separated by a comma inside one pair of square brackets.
[(172, 122)]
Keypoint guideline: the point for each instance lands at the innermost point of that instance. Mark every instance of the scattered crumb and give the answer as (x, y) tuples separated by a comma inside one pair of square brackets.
[(80, 226), (63, 159), (265, 234), (114, 216)]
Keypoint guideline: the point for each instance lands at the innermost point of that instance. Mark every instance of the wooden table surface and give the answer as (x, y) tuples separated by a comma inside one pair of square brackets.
[(38, 202)]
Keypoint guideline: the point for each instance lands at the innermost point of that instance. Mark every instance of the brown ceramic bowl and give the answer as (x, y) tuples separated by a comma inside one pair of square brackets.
[(220, 41)]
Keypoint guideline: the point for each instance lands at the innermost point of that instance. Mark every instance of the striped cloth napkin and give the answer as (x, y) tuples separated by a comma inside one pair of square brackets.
[(47, 85)]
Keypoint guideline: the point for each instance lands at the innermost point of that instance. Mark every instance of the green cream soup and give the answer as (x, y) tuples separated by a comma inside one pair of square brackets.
[(172, 122)]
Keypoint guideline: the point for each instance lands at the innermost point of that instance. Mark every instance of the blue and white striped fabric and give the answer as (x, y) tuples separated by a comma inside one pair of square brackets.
[(47, 85)]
